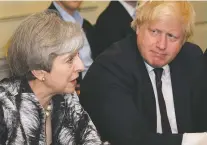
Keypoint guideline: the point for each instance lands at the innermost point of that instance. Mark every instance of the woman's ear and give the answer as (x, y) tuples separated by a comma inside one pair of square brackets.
[(39, 74)]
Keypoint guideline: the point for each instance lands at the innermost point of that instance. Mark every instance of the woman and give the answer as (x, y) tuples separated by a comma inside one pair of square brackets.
[(38, 104)]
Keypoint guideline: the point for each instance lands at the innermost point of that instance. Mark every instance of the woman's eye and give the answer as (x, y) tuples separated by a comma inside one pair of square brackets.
[(70, 60)]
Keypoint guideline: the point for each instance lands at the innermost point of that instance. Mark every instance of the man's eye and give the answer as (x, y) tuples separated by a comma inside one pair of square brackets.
[(154, 32), (172, 37)]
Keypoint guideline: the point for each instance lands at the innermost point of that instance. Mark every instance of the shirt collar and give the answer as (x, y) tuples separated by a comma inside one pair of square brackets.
[(75, 18), (166, 69), (130, 9)]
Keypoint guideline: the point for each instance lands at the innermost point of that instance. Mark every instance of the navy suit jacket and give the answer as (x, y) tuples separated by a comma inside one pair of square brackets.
[(113, 24), (121, 100)]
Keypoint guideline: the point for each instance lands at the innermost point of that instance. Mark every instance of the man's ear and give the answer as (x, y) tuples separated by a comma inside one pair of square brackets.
[(39, 74)]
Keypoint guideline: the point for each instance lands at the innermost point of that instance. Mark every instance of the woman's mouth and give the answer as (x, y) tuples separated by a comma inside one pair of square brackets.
[(74, 82)]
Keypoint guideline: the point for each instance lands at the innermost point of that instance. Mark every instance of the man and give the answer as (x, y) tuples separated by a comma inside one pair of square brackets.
[(114, 24), (150, 88), (68, 11)]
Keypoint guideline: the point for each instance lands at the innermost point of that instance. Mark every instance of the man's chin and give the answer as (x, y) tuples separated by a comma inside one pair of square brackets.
[(156, 64)]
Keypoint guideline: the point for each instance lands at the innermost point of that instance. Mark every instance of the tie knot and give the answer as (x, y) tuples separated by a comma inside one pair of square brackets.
[(158, 72)]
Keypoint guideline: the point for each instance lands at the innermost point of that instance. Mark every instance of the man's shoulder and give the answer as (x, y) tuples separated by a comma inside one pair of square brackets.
[(121, 54), (112, 12), (122, 48), (191, 49), (190, 58), (86, 22), (87, 25)]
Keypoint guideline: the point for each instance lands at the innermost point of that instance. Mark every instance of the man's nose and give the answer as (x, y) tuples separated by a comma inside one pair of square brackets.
[(162, 41)]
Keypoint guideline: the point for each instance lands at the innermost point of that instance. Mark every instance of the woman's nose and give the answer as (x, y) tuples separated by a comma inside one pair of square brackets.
[(79, 65)]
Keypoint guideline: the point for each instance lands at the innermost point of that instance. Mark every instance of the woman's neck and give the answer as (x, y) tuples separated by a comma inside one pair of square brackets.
[(42, 93)]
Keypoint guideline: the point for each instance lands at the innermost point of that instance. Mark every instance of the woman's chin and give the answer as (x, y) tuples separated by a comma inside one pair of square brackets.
[(70, 91)]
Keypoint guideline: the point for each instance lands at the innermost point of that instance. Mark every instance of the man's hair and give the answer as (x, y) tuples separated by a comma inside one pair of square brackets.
[(148, 11)]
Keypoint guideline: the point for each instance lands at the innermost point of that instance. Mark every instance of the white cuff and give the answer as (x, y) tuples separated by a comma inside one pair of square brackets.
[(194, 139)]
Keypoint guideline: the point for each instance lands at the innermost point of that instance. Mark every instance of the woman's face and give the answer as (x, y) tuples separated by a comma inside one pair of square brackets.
[(65, 70)]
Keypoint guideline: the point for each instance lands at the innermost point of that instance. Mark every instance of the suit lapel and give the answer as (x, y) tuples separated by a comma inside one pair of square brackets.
[(181, 95), (145, 98), (58, 114), (145, 94)]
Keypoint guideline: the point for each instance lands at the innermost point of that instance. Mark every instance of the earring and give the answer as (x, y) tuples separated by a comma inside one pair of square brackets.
[(43, 79)]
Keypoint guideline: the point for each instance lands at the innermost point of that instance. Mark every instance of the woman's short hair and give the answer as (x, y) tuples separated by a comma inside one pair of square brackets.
[(39, 39), (148, 11)]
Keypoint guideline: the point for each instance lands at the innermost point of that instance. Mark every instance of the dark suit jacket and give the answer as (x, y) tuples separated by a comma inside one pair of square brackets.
[(88, 29), (121, 100), (112, 25), (205, 54)]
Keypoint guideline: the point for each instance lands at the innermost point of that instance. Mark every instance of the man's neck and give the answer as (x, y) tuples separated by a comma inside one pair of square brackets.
[(69, 11), (131, 3)]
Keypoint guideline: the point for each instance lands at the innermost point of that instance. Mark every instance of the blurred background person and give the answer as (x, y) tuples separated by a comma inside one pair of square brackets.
[(69, 12), (38, 104), (113, 24), (4, 71)]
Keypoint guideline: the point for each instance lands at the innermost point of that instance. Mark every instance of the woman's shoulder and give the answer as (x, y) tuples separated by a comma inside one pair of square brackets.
[(9, 84), (84, 127), (8, 89), (72, 101)]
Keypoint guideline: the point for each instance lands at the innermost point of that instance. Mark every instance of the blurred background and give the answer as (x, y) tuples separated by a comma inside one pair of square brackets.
[(13, 12)]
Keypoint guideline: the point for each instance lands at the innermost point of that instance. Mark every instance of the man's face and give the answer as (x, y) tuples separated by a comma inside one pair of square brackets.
[(71, 5), (160, 41)]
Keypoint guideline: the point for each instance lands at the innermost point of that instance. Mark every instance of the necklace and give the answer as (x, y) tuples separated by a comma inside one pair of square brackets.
[(48, 110)]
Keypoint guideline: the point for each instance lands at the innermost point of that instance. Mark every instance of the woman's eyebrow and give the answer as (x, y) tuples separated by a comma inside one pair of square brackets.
[(70, 56), (66, 57)]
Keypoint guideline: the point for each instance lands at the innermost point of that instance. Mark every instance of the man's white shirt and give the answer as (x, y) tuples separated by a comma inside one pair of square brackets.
[(130, 9), (188, 138)]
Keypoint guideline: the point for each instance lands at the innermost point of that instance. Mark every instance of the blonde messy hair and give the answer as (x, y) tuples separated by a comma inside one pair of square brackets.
[(148, 11)]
